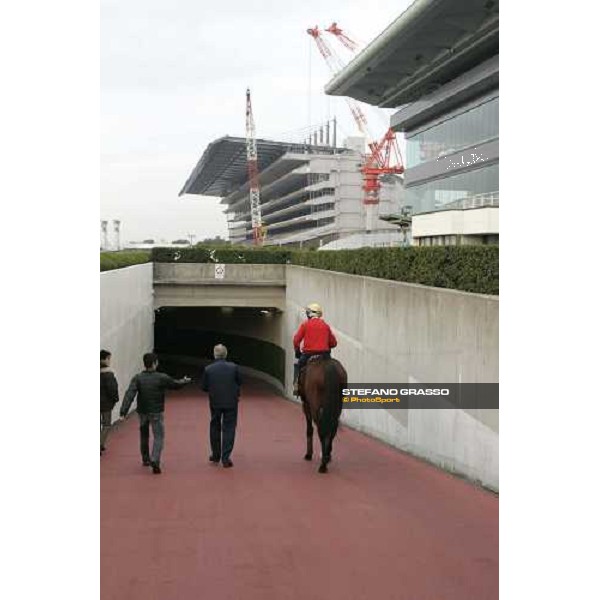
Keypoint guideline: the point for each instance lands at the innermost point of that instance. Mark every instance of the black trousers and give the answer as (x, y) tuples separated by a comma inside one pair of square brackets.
[(223, 422)]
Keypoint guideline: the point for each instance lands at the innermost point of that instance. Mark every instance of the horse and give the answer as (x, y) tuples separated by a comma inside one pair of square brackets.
[(321, 386)]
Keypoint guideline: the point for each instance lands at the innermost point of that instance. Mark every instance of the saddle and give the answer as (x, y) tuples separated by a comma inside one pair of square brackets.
[(316, 358), (311, 359)]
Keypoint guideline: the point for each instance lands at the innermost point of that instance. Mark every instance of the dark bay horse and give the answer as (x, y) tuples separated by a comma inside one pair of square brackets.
[(321, 387)]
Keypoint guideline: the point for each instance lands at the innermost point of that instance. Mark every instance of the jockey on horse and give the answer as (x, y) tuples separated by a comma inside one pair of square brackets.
[(317, 338)]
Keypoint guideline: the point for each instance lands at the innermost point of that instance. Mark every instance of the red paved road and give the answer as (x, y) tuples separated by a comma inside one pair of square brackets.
[(379, 525)]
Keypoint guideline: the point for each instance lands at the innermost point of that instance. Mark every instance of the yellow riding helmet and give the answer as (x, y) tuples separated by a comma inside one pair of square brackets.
[(314, 307)]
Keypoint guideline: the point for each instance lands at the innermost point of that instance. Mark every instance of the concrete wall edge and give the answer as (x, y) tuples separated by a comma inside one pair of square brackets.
[(366, 278)]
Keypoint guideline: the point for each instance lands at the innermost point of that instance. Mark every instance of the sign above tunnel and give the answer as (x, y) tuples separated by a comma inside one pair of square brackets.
[(219, 271)]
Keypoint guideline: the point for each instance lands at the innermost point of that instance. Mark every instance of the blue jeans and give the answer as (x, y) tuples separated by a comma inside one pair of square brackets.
[(158, 431)]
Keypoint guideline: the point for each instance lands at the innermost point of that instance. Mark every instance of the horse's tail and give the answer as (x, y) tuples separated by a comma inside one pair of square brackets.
[(333, 399)]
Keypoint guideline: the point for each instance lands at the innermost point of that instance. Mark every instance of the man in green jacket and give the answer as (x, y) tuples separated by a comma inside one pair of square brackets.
[(149, 386)]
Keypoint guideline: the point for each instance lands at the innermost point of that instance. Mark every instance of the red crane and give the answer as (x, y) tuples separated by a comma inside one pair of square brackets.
[(384, 157), (342, 37), (335, 65), (258, 230)]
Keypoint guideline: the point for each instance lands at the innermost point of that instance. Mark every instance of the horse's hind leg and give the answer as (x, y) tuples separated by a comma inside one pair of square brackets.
[(327, 447), (330, 445), (325, 452), (329, 451), (309, 431)]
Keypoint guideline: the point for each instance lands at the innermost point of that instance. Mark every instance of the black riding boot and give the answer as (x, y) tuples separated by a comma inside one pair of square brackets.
[(296, 376)]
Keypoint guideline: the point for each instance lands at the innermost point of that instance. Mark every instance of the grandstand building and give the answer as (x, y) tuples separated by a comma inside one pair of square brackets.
[(310, 194), (438, 64)]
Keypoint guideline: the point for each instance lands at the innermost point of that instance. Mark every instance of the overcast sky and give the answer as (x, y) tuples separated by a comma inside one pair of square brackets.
[(173, 78)]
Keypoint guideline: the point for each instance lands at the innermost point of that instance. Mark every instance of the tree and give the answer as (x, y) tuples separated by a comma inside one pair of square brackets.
[(180, 241)]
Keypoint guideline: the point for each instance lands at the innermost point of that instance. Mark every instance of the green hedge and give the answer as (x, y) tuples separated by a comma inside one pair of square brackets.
[(222, 254), (124, 258), (467, 268)]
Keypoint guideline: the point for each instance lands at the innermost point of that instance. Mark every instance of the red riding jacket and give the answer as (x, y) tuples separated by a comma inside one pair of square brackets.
[(317, 336)]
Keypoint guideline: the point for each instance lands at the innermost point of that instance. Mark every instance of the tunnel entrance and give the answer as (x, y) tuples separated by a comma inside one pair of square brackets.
[(185, 336)]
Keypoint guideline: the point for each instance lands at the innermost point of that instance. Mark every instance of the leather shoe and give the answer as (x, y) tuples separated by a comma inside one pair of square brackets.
[(156, 468), (214, 459), (146, 462), (227, 464)]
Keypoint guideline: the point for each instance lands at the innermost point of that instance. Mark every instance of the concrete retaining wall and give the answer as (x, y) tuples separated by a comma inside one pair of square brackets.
[(388, 332), (204, 272), (126, 320), (396, 332), (190, 284)]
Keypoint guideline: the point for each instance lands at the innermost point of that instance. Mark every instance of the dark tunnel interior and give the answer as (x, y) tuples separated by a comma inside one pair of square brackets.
[(185, 336)]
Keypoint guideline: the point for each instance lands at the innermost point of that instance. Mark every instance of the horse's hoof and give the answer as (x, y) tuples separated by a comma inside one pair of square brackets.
[(323, 469), (308, 457)]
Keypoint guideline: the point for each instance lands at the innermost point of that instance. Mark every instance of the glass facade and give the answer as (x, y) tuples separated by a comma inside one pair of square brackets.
[(435, 194), (479, 124)]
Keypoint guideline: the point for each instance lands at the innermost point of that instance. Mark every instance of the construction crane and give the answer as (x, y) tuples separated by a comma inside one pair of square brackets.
[(342, 37), (384, 157), (258, 229), (382, 151), (335, 65)]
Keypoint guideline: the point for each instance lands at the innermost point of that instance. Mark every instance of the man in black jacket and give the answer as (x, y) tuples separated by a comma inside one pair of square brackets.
[(149, 386), (109, 396), (222, 381)]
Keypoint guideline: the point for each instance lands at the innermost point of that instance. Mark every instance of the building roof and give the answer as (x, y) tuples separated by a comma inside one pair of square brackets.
[(223, 167), (429, 44), (273, 173)]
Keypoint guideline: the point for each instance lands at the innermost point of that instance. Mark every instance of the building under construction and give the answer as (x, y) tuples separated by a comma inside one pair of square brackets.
[(310, 193)]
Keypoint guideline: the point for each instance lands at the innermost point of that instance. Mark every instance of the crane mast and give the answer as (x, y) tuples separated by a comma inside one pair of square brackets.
[(384, 157), (335, 65), (258, 230), (382, 151)]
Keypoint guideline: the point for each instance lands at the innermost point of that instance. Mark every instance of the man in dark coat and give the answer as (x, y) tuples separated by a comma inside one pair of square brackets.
[(222, 381), (109, 396), (149, 386)]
